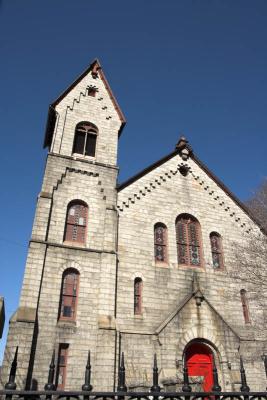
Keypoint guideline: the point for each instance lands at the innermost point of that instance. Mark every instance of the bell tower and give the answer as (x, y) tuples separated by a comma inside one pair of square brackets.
[(67, 297)]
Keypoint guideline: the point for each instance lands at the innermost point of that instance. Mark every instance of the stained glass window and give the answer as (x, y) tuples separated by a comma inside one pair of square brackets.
[(160, 242), (62, 365), (138, 285), (216, 250), (244, 302), (68, 300), (75, 229), (188, 240), (85, 139)]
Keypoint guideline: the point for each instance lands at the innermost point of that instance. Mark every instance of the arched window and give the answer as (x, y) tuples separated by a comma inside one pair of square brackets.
[(160, 242), (216, 250), (69, 293), (76, 222), (85, 139), (188, 238), (138, 286), (244, 302)]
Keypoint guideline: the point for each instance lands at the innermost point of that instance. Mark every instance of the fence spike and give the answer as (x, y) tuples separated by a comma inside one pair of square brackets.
[(121, 378), (87, 387), (155, 387), (186, 387), (11, 385), (244, 387), (216, 387), (265, 364), (50, 385)]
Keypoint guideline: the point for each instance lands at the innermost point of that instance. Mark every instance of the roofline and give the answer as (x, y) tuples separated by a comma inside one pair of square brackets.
[(97, 64), (206, 170), (146, 170)]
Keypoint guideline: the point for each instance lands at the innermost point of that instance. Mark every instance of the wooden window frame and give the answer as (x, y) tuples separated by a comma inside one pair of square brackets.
[(87, 129), (188, 245), (71, 205), (65, 347), (164, 245), (218, 252), (63, 295), (245, 308), (138, 297)]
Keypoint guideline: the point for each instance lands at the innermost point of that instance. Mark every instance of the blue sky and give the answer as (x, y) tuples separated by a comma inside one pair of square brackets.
[(192, 66)]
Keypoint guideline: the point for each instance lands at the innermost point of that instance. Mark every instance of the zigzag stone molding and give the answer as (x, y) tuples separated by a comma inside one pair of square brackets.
[(79, 171), (168, 175)]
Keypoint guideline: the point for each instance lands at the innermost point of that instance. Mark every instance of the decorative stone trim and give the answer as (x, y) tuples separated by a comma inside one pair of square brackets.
[(161, 179)]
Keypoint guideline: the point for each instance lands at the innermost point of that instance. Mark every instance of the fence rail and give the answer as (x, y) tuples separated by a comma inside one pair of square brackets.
[(122, 393)]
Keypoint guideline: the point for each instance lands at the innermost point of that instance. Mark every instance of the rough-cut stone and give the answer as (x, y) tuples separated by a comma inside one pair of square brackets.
[(119, 247)]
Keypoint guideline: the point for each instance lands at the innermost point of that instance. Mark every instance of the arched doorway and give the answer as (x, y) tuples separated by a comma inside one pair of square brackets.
[(199, 361)]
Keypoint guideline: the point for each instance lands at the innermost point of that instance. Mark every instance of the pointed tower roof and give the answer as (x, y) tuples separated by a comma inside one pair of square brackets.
[(97, 71)]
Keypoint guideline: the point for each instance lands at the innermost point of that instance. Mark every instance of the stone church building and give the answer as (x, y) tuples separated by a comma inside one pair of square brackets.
[(140, 267)]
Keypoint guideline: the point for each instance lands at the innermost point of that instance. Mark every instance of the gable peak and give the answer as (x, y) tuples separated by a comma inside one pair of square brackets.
[(183, 148)]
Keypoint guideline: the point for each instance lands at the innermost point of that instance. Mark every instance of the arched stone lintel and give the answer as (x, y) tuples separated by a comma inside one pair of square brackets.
[(205, 334)]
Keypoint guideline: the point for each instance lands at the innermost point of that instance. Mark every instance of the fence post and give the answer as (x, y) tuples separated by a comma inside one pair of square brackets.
[(186, 387), (121, 377), (11, 385), (244, 387), (50, 382), (216, 387), (155, 387), (87, 378)]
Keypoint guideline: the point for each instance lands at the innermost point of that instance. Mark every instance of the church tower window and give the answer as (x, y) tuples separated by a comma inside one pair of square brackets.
[(188, 237), (138, 287), (216, 250), (160, 242), (244, 302), (85, 139), (76, 222), (62, 366), (69, 293)]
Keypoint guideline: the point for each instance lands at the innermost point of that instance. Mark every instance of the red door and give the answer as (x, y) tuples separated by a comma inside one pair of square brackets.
[(199, 363)]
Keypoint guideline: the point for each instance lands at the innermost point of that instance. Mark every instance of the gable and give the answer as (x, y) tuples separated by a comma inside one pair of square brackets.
[(73, 94), (168, 169)]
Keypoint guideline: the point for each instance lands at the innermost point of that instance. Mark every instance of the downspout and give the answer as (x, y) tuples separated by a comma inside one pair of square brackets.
[(116, 296), (35, 328)]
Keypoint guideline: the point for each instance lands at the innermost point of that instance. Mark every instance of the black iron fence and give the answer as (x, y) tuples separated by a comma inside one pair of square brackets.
[(122, 393)]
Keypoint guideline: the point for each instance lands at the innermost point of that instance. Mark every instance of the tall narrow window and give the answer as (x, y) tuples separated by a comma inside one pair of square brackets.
[(188, 238), (85, 139), (160, 243), (138, 285), (62, 366), (76, 221), (216, 250), (244, 302), (68, 298)]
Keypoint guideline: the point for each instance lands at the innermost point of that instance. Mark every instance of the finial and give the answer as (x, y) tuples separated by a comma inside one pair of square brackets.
[(87, 387), (186, 387), (155, 387), (183, 148), (11, 385), (50, 385), (244, 387), (216, 387), (121, 378)]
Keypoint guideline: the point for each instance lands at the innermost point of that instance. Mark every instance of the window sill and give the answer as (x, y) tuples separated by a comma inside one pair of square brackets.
[(78, 156), (74, 244), (162, 264), (66, 323), (138, 316), (195, 268)]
